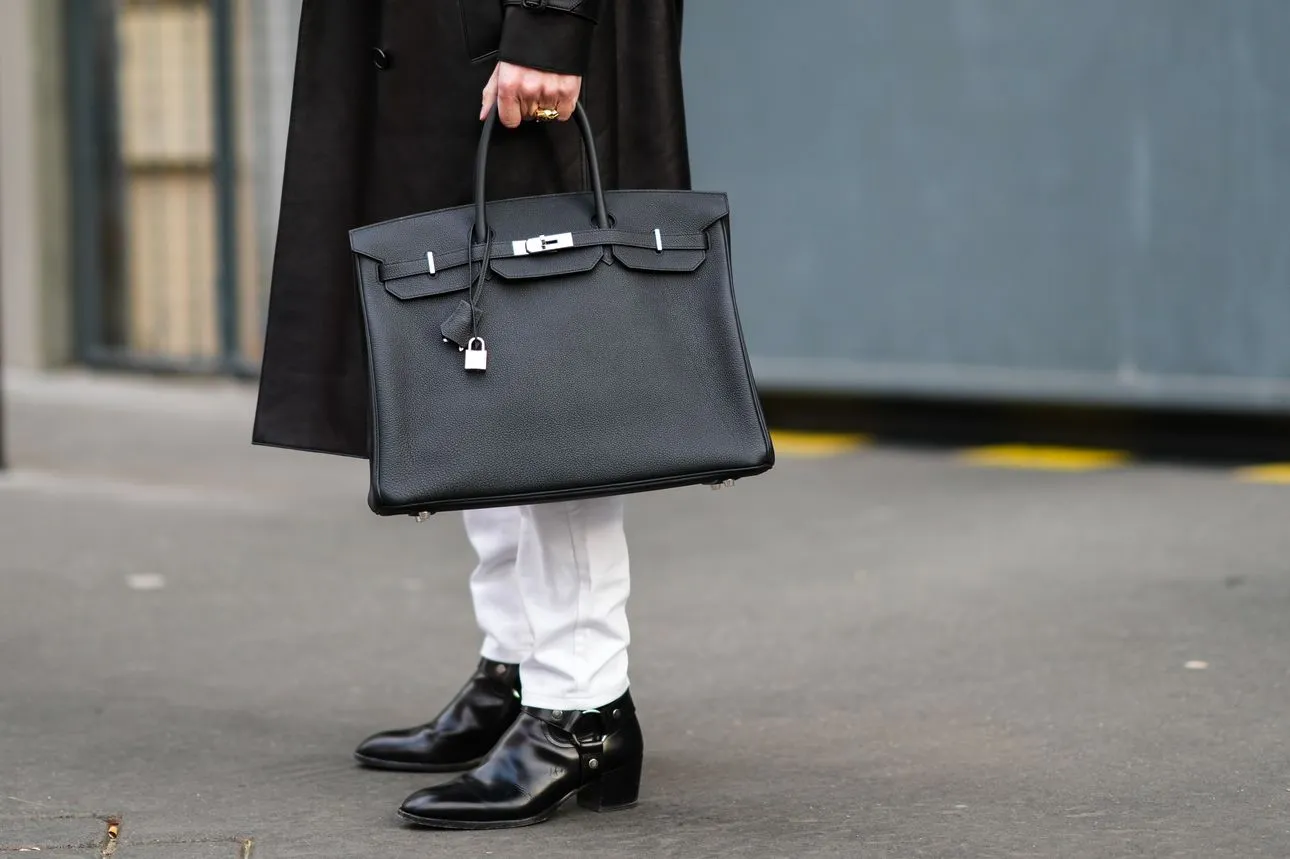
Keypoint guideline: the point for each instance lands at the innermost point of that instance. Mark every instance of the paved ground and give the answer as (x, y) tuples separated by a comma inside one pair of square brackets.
[(883, 653)]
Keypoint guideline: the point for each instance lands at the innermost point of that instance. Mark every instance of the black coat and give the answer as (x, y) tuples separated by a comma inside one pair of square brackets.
[(384, 123)]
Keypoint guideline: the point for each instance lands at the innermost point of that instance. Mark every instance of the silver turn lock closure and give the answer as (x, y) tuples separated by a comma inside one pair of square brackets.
[(725, 484), (476, 355), (541, 244)]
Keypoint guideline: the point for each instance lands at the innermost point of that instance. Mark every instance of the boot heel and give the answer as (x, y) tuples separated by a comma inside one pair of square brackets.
[(613, 791)]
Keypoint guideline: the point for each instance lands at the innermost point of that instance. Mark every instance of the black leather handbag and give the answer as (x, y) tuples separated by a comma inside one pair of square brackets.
[(552, 348)]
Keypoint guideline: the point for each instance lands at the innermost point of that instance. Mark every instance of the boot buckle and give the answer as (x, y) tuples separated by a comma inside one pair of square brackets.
[(591, 747), (578, 730), (589, 739)]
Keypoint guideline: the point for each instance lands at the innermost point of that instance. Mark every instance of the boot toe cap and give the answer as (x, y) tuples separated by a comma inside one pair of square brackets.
[(390, 745), (403, 750), (463, 801), (451, 801)]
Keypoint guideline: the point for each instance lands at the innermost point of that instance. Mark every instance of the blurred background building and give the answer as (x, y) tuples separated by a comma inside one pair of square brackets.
[(143, 148), (1028, 200)]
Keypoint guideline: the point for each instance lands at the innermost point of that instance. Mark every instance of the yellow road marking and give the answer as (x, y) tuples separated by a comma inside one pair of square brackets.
[(816, 444), (1040, 458), (1278, 472)]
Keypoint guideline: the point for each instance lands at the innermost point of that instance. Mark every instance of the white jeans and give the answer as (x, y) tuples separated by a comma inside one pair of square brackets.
[(550, 594)]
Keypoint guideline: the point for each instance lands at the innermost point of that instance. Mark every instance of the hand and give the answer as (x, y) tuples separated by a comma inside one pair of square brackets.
[(519, 91)]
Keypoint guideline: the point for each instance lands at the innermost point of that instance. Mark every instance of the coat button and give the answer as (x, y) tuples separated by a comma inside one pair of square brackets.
[(382, 59)]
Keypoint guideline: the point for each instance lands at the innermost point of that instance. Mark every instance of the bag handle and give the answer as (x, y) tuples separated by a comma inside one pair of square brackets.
[(481, 171)]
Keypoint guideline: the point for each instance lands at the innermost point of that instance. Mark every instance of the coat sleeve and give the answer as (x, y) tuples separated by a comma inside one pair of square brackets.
[(551, 35)]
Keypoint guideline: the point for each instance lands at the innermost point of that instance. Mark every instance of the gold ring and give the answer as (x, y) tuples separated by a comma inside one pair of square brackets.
[(546, 114)]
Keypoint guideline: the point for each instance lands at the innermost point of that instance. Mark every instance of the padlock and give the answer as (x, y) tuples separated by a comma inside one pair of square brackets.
[(476, 355)]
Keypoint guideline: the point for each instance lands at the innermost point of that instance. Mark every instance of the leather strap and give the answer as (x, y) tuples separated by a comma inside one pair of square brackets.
[(589, 9), (480, 228), (506, 249), (584, 722), (586, 730), (599, 719)]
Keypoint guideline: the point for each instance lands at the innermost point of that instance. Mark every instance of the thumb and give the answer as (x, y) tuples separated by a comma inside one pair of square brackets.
[(490, 96)]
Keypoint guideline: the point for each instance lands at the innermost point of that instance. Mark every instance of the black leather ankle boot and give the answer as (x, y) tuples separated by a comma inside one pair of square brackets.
[(546, 757), (461, 736)]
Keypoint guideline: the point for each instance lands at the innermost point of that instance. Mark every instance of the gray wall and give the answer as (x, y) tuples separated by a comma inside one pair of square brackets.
[(1005, 198), (35, 268), (273, 32)]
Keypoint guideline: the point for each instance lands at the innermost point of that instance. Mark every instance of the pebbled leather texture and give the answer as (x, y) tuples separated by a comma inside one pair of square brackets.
[(546, 757), (604, 376), (602, 380), (461, 736)]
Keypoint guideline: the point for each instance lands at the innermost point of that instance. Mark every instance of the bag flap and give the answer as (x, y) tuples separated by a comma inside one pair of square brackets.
[(408, 248), (550, 264), (425, 285), (643, 259)]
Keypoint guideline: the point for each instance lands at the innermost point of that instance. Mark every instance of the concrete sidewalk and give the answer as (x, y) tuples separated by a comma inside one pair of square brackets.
[(878, 654)]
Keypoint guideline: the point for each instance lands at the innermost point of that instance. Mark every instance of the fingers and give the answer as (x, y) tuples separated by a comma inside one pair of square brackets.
[(521, 92), (569, 100), (490, 96), (512, 89), (509, 109)]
